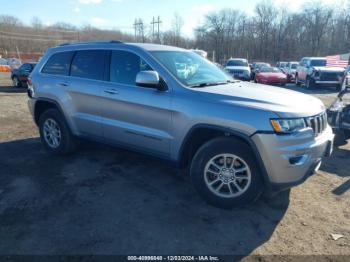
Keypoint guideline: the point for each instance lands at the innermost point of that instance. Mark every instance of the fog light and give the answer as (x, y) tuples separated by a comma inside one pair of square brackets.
[(298, 160)]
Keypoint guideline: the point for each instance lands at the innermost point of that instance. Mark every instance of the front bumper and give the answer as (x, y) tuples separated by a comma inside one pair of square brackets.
[(321, 82), (290, 159), (273, 82)]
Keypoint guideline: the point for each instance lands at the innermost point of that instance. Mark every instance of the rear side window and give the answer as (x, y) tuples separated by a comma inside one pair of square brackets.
[(89, 64), (58, 64)]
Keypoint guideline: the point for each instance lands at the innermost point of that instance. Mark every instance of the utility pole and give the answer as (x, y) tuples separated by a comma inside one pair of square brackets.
[(138, 27), (158, 22), (152, 23)]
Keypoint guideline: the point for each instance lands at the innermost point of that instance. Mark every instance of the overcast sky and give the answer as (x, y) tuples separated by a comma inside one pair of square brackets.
[(109, 14)]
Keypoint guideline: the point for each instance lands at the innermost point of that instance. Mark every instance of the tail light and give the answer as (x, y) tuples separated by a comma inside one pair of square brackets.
[(29, 81), (30, 90)]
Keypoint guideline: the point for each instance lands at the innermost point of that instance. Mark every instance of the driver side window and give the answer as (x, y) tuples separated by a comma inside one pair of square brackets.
[(125, 66)]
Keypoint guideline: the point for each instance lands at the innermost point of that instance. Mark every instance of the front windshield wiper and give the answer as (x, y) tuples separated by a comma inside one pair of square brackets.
[(213, 83)]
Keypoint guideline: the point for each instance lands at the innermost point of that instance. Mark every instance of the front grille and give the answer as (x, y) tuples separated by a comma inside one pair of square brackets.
[(236, 72), (317, 123), (329, 76)]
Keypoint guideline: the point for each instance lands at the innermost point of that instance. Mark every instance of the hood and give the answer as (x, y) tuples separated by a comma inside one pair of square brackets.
[(283, 102), (247, 68), (272, 74), (329, 69)]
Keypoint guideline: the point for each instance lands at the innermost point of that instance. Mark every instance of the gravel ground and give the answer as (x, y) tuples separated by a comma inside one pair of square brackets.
[(103, 200)]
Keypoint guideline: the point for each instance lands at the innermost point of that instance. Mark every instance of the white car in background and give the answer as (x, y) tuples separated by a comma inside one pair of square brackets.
[(290, 70), (238, 68)]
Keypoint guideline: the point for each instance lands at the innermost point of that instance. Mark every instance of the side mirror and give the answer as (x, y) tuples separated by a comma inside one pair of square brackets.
[(149, 79)]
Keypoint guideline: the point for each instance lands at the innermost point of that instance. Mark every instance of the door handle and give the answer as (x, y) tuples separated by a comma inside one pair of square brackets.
[(111, 91), (63, 84)]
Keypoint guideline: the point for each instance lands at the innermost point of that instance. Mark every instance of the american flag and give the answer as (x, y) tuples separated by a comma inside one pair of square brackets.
[(338, 60)]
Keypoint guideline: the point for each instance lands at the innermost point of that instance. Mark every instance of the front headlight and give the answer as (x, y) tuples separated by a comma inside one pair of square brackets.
[(287, 126)]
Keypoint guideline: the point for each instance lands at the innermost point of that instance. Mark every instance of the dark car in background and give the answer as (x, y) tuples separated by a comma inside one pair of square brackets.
[(20, 75)]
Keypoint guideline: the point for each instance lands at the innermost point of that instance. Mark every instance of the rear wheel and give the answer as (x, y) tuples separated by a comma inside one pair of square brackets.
[(55, 134), (225, 173)]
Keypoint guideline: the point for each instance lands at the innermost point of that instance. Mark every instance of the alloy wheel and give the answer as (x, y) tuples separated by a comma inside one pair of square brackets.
[(52, 133), (227, 175)]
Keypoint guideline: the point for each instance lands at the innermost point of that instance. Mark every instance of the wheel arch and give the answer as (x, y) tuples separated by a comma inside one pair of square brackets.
[(193, 141), (43, 104)]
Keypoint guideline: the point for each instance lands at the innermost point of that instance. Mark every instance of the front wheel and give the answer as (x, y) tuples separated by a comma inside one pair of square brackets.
[(225, 173), (310, 83), (16, 82), (297, 83), (346, 134)]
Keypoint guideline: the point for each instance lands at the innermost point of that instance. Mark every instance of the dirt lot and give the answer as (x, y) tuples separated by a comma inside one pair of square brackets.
[(104, 200)]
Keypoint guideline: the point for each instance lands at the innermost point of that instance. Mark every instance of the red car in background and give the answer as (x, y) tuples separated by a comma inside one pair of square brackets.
[(270, 76)]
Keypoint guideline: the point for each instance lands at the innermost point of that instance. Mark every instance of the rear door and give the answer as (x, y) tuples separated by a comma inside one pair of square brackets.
[(134, 116), (87, 77)]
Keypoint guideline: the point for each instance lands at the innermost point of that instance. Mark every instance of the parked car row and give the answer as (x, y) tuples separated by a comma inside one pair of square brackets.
[(310, 71)]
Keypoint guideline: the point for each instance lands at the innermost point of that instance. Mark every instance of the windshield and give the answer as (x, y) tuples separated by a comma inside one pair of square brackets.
[(259, 65), (237, 63), (294, 66), (319, 62), (191, 69), (270, 70)]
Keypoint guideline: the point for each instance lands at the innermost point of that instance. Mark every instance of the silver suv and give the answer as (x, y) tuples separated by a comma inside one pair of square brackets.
[(238, 139)]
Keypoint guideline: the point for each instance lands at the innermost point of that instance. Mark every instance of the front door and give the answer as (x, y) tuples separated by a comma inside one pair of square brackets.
[(135, 116)]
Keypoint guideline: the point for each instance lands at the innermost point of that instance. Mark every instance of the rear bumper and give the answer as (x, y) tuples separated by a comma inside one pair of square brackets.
[(289, 160)]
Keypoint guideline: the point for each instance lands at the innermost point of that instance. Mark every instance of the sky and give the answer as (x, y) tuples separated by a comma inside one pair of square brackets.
[(121, 14)]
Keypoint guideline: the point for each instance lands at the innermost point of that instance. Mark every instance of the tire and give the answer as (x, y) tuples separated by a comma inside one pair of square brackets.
[(66, 143), (338, 88), (230, 147), (297, 83), (309, 83), (16, 82), (346, 134)]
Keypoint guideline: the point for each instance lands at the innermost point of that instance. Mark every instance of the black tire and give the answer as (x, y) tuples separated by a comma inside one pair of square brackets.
[(297, 83), (216, 147), (346, 134), (16, 82), (310, 83), (67, 142)]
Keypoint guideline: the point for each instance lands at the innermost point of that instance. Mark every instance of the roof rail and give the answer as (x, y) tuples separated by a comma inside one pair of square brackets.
[(92, 42)]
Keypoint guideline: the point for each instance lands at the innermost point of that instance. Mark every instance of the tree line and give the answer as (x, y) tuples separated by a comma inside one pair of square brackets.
[(270, 34)]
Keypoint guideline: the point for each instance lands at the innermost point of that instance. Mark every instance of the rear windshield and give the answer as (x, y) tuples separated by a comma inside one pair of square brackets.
[(236, 63), (318, 62)]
